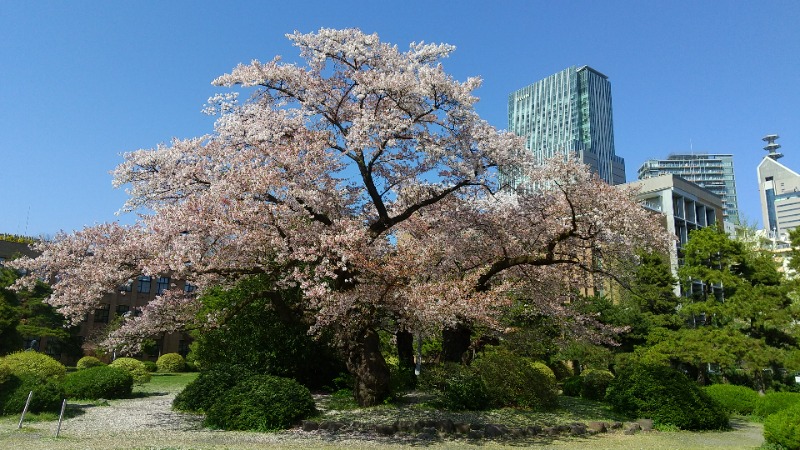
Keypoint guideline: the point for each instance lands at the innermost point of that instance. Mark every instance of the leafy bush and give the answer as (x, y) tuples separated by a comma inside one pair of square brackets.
[(171, 362), (34, 364), (594, 383), (136, 368), (512, 380), (572, 386), (783, 428), (773, 402), (261, 403), (666, 396), (89, 361), (98, 382), (150, 366), (47, 395), (735, 399), (464, 390), (207, 388)]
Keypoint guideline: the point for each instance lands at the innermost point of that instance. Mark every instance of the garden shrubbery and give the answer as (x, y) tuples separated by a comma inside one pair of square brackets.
[(47, 394), (594, 383), (88, 361), (773, 402), (783, 428), (98, 382), (171, 362), (261, 403), (572, 386), (34, 364), (512, 380), (136, 368), (199, 395), (735, 399), (666, 396)]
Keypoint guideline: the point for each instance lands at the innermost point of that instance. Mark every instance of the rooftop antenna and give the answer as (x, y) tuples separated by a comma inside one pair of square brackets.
[(772, 147)]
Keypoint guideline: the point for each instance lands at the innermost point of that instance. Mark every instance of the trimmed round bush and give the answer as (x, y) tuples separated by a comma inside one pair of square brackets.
[(98, 382), (35, 364), (89, 361), (136, 368), (150, 366), (464, 390), (594, 383), (47, 395), (572, 386), (171, 362), (261, 403), (512, 380), (666, 396), (783, 428), (773, 402), (205, 390), (735, 399)]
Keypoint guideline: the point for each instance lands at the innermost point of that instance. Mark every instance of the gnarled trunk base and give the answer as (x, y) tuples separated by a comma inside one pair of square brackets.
[(365, 362)]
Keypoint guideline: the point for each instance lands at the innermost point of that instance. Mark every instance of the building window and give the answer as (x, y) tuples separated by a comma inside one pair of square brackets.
[(189, 288), (101, 313), (162, 285), (122, 309), (143, 285), (127, 287)]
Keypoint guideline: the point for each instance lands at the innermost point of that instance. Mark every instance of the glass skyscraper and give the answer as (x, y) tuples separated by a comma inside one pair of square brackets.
[(713, 172), (568, 113)]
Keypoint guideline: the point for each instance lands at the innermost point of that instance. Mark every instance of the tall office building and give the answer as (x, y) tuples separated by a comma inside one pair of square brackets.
[(711, 171), (567, 113), (779, 189)]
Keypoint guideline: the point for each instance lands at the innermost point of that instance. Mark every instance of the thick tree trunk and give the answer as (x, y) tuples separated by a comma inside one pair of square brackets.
[(455, 342), (405, 349), (365, 362)]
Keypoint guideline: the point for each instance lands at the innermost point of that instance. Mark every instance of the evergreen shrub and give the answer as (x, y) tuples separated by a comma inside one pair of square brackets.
[(464, 390), (207, 388), (171, 362), (572, 386), (783, 428), (47, 395), (666, 396), (150, 366), (261, 403), (594, 383), (98, 382), (513, 380), (773, 402), (35, 364), (89, 361), (735, 399), (136, 368)]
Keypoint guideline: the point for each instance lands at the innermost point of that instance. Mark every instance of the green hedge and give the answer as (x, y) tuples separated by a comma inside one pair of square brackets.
[(594, 383), (735, 399), (98, 382), (87, 362), (783, 428), (199, 395), (512, 380), (171, 362), (773, 402), (136, 368), (666, 396), (261, 403), (35, 364), (47, 395)]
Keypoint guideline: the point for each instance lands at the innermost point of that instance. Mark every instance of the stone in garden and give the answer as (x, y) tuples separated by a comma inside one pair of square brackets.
[(597, 427), (493, 431), (386, 430), (462, 428), (616, 425), (577, 429), (534, 430), (310, 425), (446, 425), (475, 434), (646, 424)]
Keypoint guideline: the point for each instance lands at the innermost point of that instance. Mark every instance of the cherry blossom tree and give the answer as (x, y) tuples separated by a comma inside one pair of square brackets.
[(365, 178)]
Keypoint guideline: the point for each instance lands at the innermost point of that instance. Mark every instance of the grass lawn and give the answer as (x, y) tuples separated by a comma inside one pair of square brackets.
[(164, 383)]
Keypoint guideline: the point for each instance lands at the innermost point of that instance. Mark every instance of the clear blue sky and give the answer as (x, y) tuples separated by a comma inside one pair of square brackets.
[(82, 82)]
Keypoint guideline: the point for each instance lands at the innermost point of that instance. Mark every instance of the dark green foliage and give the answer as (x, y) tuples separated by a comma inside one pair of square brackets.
[(773, 402), (34, 364), (512, 380), (47, 395), (572, 386), (207, 388), (171, 362), (735, 399), (783, 428), (261, 403), (594, 383), (150, 366), (98, 382), (89, 361), (266, 332), (666, 396)]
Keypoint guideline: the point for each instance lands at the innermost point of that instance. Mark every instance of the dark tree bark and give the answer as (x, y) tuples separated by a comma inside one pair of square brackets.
[(365, 362), (455, 342), (405, 349)]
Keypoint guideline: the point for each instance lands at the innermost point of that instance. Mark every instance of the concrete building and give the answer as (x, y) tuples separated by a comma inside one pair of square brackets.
[(708, 170), (568, 113), (779, 191), (684, 205)]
